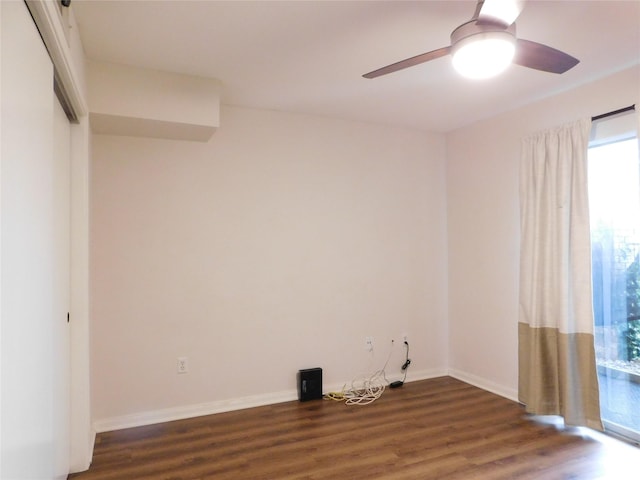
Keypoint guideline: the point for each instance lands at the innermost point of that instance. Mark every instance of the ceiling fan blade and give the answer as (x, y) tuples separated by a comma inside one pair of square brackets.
[(409, 62), (503, 12), (541, 57)]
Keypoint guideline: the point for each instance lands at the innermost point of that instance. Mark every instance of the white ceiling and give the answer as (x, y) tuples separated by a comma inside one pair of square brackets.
[(309, 56)]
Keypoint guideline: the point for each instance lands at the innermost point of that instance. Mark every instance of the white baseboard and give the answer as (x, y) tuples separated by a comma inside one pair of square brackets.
[(483, 383), (220, 406), (189, 411), (427, 374)]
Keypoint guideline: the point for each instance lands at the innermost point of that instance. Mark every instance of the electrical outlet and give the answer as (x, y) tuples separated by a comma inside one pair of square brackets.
[(368, 341), (183, 365)]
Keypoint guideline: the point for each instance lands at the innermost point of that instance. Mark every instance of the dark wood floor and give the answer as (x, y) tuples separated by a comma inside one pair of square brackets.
[(433, 429)]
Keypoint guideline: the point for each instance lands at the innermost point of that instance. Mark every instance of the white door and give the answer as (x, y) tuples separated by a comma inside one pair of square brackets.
[(61, 284), (33, 282)]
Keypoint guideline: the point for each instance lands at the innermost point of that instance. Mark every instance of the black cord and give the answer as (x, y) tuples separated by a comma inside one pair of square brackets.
[(406, 363)]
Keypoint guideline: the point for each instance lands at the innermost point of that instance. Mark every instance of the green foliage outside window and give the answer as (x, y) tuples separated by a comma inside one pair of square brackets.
[(632, 292)]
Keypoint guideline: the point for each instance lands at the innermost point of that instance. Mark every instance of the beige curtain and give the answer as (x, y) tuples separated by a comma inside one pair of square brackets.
[(557, 369)]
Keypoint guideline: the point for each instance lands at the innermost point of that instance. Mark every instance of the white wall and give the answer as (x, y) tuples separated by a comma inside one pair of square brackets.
[(286, 239), (483, 226), (278, 245)]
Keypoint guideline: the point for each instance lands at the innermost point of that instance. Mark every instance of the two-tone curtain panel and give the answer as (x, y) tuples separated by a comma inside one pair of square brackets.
[(557, 369)]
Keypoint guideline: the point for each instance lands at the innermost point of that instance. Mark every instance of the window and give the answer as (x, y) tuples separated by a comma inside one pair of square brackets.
[(614, 204)]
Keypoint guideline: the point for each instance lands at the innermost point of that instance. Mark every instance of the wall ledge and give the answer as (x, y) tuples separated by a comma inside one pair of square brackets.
[(106, 124), (140, 102)]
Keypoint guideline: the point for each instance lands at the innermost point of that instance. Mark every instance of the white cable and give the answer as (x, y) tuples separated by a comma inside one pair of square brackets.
[(370, 389)]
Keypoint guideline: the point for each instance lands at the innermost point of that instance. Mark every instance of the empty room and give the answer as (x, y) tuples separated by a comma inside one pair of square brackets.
[(313, 239)]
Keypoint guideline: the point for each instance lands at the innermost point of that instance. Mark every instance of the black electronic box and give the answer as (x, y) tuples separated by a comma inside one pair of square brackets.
[(309, 384)]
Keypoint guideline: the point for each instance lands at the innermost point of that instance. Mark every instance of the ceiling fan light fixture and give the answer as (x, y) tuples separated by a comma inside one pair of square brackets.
[(484, 55), (486, 45)]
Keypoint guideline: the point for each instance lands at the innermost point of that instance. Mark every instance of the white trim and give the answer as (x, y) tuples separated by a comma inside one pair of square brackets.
[(50, 26), (189, 411), (82, 437), (221, 406), (621, 432), (1, 249), (427, 374), (483, 383)]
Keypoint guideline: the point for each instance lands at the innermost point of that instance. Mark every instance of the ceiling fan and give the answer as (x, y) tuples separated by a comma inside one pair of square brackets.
[(487, 44)]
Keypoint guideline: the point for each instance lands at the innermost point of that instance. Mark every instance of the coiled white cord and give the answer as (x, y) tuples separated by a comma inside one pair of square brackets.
[(365, 390)]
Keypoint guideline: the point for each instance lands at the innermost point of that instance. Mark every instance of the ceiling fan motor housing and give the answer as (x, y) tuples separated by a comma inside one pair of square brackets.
[(474, 28)]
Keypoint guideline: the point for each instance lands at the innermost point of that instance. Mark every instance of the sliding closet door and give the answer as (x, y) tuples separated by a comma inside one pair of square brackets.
[(61, 288), (33, 282)]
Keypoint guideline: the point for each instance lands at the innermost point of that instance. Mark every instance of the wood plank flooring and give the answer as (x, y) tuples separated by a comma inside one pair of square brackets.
[(433, 429)]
